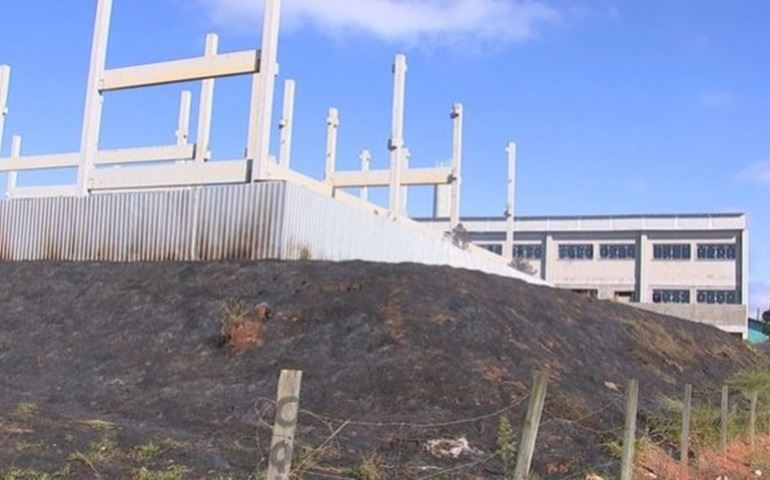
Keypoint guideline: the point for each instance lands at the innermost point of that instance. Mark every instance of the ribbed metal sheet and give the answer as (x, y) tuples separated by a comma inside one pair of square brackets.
[(233, 222)]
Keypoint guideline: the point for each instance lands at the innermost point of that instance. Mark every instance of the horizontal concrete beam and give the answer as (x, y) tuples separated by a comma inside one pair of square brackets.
[(104, 157), (177, 175), (191, 69), (381, 178)]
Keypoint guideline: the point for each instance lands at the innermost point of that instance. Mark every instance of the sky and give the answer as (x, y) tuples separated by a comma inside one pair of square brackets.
[(616, 106)]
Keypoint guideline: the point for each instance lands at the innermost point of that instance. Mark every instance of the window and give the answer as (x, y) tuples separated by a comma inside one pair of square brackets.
[(530, 252), (618, 252), (590, 293), (718, 297), (717, 251), (576, 252), (671, 296), (492, 247), (624, 297), (676, 251)]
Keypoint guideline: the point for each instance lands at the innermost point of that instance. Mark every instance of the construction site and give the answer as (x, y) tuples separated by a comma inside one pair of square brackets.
[(170, 316)]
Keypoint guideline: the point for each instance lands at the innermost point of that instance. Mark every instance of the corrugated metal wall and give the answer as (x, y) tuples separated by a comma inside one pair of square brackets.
[(233, 222)]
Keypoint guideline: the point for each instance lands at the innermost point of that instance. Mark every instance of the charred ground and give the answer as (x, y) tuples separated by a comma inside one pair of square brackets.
[(118, 370)]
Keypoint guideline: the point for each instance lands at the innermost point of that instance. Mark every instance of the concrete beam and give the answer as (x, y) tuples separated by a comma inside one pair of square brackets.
[(397, 133), (92, 115), (185, 70), (177, 175), (183, 125), (13, 175), (382, 178), (205, 110), (108, 157), (287, 123), (366, 165)]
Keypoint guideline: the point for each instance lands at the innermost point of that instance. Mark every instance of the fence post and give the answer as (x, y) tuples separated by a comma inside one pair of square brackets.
[(286, 411), (685, 441), (753, 419), (531, 427), (629, 434), (724, 419)]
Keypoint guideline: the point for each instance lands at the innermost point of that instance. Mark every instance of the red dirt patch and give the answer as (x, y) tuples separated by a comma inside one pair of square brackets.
[(242, 327)]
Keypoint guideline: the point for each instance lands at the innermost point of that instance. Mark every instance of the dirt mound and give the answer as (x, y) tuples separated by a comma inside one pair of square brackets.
[(116, 371)]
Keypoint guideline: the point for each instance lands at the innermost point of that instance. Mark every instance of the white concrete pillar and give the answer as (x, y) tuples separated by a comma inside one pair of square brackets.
[(397, 133), (287, 123), (5, 83), (12, 176), (510, 205), (183, 126), (263, 92), (366, 164), (92, 115), (404, 188), (457, 160), (643, 258), (550, 257), (332, 128), (206, 108), (745, 273), (442, 198)]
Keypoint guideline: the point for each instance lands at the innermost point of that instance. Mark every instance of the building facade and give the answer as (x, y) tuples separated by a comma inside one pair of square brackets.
[(690, 266)]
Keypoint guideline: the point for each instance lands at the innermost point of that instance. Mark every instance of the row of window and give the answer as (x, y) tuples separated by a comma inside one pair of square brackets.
[(660, 251), (710, 297)]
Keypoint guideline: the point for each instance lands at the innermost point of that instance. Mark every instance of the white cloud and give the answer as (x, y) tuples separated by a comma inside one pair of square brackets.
[(443, 21), (716, 99), (756, 173)]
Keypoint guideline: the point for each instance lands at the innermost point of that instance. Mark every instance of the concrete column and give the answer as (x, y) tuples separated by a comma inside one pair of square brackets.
[(5, 83), (92, 115), (206, 108), (183, 126), (441, 202), (332, 127), (457, 161), (12, 176), (263, 93), (287, 123), (510, 206), (550, 255), (397, 133), (745, 273), (643, 257), (404, 188), (366, 163)]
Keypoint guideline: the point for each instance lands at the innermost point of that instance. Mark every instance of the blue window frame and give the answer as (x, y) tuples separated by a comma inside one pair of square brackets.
[(530, 252), (576, 252), (717, 251), (672, 251), (670, 296), (492, 247), (718, 297), (617, 252)]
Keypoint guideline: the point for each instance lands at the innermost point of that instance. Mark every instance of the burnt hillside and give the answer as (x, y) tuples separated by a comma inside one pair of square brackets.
[(115, 358)]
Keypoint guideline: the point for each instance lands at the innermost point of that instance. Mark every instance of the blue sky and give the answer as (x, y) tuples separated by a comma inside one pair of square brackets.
[(617, 106)]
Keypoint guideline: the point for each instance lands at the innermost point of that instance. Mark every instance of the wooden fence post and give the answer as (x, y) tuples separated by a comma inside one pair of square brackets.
[(685, 441), (286, 411), (724, 419), (753, 419), (629, 433), (531, 427)]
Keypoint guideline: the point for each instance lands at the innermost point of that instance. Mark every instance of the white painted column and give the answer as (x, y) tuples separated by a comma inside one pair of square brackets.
[(5, 83), (12, 176), (332, 127), (287, 123), (183, 126), (405, 189), (441, 202), (366, 164), (92, 115), (510, 205), (263, 93), (550, 256), (642, 259), (397, 133), (745, 284), (457, 160), (206, 108)]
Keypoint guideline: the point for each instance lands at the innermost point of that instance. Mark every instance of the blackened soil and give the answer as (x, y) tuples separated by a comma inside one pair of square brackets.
[(115, 370)]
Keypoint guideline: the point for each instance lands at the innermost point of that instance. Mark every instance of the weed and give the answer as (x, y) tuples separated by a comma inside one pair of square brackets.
[(505, 446), (370, 468), (174, 472), (25, 474)]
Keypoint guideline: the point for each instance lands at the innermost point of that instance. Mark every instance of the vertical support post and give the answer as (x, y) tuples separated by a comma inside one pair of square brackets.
[(457, 161), (203, 140), (183, 126), (405, 188), (629, 433), (685, 439), (724, 419), (366, 164), (5, 83), (12, 176), (642, 258), (263, 93), (284, 428), (332, 128), (753, 419), (396, 145), (510, 205), (92, 115), (531, 427), (287, 123)]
